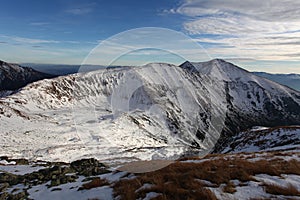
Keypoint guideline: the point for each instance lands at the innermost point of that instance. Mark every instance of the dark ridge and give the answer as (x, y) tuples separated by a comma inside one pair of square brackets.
[(14, 76)]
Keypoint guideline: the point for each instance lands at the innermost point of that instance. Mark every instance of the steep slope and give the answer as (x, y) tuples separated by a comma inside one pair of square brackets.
[(290, 80), (14, 77), (252, 100)]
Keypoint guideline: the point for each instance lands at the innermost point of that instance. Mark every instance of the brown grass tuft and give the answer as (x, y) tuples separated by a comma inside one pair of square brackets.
[(97, 182), (290, 190), (180, 180), (229, 188)]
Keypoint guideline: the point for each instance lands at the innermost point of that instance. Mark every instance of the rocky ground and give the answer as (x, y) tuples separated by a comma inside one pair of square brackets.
[(263, 175), (18, 176)]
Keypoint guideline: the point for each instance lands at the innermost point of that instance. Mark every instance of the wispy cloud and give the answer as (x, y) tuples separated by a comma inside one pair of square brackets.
[(255, 29), (268, 10), (238, 26), (39, 23), (81, 9), (32, 41), (36, 42)]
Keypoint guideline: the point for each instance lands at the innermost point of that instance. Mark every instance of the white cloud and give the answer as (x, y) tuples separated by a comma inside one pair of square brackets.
[(267, 10), (260, 30), (237, 17), (238, 26)]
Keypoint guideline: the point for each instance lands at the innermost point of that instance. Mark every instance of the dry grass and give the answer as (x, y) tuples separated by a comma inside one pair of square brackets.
[(97, 182), (229, 188), (171, 184), (179, 180), (290, 190), (194, 157)]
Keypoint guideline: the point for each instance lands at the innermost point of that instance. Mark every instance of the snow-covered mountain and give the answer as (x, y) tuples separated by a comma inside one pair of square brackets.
[(291, 80), (260, 139), (13, 77), (251, 100), (149, 112)]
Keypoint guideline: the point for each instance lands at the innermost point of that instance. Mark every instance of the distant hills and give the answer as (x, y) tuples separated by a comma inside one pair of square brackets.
[(60, 69), (290, 80)]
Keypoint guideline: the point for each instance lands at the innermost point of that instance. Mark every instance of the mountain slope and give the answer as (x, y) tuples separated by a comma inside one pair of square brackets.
[(14, 77), (154, 111), (260, 139), (150, 112), (291, 80), (251, 100)]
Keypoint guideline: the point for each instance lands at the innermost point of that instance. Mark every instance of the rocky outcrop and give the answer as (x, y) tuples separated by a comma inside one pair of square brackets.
[(55, 173)]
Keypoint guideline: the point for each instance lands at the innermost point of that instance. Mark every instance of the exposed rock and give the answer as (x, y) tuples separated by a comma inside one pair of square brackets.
[(89, 167), (3, 186)]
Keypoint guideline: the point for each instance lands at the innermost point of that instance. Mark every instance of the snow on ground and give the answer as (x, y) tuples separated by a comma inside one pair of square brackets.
[(252, 189), (283, 181), (20, 169), (48, 121), (151, 195), (265, 139), (255, 189), (4, 162), (69, 191)]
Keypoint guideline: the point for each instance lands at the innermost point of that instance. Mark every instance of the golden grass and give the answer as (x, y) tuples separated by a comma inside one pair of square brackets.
[(97, 182), (179, 180), (229, 188), (172, 184), (290, 190)]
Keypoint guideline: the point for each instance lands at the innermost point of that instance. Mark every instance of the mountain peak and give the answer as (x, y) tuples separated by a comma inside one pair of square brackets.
[(188, 66), (217, 68)]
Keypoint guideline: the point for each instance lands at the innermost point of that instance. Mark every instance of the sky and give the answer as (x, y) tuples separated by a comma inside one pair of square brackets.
[(256, 35)]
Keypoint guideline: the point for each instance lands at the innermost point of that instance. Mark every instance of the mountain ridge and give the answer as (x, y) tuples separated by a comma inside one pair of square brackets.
[(14, 76), (138, 112), (290, 80), (250, 98)]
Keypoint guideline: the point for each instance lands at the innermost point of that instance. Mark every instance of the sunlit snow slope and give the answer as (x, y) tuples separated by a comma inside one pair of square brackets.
[(150, 112)]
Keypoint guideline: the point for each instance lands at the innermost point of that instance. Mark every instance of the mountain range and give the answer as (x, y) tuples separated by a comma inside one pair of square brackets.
[(146, 112), (290, 80)]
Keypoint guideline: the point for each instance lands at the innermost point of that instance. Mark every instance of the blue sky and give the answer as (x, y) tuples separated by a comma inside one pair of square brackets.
[(260, 36)]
